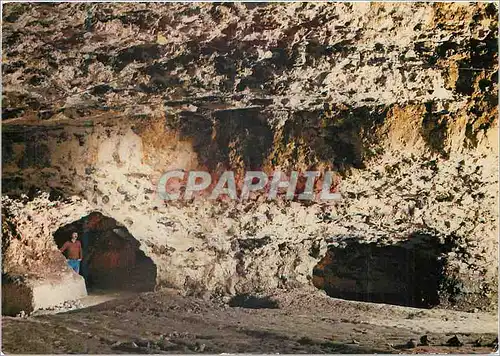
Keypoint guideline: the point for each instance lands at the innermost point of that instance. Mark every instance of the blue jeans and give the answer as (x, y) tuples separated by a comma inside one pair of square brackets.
[(75, 264)]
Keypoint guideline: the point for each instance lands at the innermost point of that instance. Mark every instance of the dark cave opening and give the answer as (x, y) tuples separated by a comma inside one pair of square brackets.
[(112, 259), (408, 273)]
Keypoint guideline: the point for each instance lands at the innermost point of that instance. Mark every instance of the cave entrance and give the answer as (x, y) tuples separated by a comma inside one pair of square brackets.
[(407, 273), (112, 259)]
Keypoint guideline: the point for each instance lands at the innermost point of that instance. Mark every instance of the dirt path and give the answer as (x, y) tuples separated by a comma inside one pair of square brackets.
[(95, 297), (290, 322)]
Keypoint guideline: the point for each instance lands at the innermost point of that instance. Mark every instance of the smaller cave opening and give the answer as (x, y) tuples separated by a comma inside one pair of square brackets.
[(112, 259), (408, 273)]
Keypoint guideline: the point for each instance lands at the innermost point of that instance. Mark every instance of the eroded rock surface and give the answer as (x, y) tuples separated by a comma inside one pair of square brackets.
[(101, 99)]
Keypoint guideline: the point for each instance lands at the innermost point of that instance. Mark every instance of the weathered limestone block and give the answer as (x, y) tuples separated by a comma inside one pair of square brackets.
[(30, 294)]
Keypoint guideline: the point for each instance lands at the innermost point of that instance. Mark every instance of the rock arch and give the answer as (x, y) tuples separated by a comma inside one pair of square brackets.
[(112, 257)]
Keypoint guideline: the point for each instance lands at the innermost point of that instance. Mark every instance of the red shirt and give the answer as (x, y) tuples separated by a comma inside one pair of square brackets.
[(74, 250)]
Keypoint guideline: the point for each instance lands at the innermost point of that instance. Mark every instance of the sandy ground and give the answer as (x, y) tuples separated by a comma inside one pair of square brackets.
[(288, 322), (95, 297)]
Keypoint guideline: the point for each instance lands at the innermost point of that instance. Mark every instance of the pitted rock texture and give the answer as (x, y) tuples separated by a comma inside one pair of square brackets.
[(401, 99), (28, 248), (293, 56)]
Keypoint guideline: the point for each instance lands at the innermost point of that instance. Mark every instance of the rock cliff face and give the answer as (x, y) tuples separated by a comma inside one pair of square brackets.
[(99, 100)]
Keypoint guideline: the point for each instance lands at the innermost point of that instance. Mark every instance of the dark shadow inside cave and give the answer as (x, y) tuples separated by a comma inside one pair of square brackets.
[(112, 259), (253, 302), (408, 273)]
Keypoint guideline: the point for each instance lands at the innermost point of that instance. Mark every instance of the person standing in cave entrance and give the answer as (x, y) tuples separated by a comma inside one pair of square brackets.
[(74, 255)]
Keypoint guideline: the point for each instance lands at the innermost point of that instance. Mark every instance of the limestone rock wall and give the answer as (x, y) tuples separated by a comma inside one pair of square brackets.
[(34, 273), (101, 99), (28, 225)]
